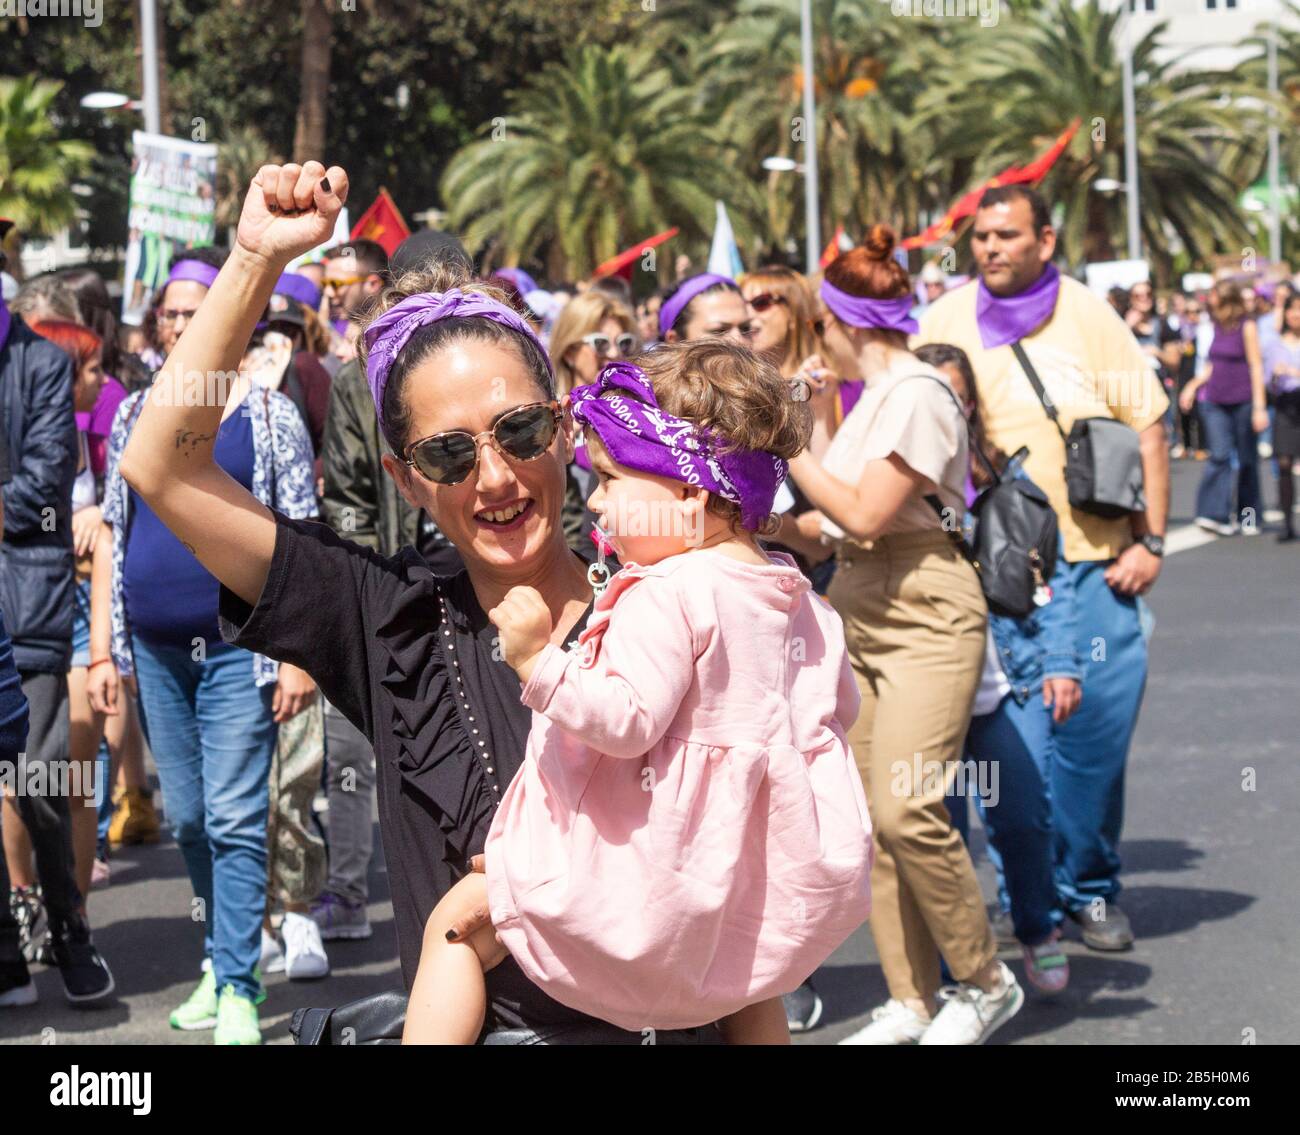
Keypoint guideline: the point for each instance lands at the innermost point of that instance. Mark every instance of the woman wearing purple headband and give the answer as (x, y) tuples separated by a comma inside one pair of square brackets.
[(702, 306), (175, 303), (466, 401), (915, 621)]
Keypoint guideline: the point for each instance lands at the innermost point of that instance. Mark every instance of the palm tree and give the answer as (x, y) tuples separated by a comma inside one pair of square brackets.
[(869, 69), (37, 167), (313, 98), (1012, 94), (601, 151)]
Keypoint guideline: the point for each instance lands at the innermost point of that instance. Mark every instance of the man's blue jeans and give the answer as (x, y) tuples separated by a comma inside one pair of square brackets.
[(210, 729), (1016, 808), (1087, 781), (1229, 434)]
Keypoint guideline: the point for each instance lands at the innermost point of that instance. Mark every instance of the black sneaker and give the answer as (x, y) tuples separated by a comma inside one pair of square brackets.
[(1105, 927), (86, 976), (28, 909), (16, 985), (803, 1008)]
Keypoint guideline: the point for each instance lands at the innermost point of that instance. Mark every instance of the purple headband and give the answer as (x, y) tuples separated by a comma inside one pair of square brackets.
[(675, 304), (298, 288), (641, 436), (193, 270), (522, 281), (388, 334), (860, 311)]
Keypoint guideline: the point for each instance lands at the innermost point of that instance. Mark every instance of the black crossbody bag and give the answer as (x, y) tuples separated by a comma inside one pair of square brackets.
[(1103, 457), (1013, 550)]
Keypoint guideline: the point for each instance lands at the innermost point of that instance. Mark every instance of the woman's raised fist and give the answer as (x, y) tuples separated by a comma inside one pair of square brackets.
[(291, 209)]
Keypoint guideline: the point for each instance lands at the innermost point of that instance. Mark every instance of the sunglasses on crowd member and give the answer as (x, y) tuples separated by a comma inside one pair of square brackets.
[(521, 434), (172, 314), (765, 300), (341, 282), (620, 347)]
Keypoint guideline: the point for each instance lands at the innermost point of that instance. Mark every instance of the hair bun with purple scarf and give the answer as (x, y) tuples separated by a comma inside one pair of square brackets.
[(641, 436), (390, 332), (862, 311)]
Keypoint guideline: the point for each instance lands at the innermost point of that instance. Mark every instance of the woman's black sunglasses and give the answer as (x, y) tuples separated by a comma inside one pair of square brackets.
[(761, 302), (521, 434)]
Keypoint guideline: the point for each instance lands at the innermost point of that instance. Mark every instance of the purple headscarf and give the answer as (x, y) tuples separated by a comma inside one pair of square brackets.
[(193, 270), (674, 305), (388, 334), (862, 311), (641, 436), (1007, 319), (299, 288), (522, 282)]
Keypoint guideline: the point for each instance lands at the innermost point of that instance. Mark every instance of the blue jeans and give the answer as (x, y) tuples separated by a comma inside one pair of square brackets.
[(1017, 741), (1087, 777), (212, 737), (1228, 434)]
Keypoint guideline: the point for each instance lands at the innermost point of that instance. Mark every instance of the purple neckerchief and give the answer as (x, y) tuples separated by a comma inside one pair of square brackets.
[(5, 318), (194, 270), (850, 394), (298, 288), (1008, 319), (862, 311), (641, 436), (388, 334), (675, 304)]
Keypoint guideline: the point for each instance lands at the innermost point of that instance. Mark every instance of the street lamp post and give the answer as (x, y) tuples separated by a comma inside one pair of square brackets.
[(149, 65), (812, 202), (1130, 145)]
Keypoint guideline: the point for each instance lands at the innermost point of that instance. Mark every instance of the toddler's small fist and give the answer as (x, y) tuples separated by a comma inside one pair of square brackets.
[(524, 622)]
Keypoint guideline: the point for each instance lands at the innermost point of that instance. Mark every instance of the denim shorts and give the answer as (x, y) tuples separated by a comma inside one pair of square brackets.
[(81, 624)]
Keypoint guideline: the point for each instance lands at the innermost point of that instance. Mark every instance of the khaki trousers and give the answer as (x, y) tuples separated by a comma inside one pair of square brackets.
[(914, 624)]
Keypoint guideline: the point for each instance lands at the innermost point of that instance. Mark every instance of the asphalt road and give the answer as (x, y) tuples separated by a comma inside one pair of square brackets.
[(1210, 867)]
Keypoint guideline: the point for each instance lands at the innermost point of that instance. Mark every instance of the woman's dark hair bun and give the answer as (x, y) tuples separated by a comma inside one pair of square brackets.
[(879, 242)]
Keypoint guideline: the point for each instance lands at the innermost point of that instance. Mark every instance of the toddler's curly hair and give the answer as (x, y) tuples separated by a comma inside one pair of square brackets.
[(733, 393)]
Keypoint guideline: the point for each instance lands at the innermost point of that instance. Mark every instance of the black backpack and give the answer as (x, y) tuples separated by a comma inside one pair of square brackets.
[(1015, 540)]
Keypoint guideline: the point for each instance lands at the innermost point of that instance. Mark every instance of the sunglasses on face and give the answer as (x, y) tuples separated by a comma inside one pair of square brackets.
[(521, 434), (765, 300), (345, 282), (618, 348)]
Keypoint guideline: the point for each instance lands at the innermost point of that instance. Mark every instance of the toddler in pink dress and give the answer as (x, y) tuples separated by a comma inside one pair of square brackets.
[(688, 837)]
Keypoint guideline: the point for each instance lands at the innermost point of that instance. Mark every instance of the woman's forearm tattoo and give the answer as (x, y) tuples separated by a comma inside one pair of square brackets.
[(189, 441)]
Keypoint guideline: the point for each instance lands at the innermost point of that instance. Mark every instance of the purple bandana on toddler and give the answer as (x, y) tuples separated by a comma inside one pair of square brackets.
[(388, 334), (641, 436)]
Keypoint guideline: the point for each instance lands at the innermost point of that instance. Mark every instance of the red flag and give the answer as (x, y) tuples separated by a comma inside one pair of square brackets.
[(622, 263), (1013, 175), (382, 223), (832, 250)]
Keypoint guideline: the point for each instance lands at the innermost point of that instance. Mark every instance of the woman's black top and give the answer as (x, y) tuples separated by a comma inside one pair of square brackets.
[(412, 661)]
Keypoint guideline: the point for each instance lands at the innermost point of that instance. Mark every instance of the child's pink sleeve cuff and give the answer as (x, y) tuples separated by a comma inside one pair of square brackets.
[(546, 676)]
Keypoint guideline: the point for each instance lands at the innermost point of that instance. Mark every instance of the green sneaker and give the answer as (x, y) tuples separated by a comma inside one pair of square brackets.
[(199, 1012), (236, 1019)]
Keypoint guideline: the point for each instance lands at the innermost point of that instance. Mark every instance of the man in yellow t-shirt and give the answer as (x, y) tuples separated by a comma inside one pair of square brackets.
[(1090, 366)]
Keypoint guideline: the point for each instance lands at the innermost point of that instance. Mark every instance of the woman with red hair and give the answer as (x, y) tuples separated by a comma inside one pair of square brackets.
[(86, 349), (914, 623)]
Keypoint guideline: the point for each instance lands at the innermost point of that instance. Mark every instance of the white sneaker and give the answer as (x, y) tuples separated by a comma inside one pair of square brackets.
[(891, 1023), (1218, 527), (272, 953), (304, 953), (971, 1016)]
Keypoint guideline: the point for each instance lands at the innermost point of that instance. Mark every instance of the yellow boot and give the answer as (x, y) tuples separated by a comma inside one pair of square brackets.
[(134, 819)]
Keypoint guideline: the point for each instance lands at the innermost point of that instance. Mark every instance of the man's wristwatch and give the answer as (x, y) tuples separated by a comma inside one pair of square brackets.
[(1153, 544)]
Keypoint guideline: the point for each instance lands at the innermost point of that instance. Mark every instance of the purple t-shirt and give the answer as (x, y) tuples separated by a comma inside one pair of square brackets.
[(98, 424), (1230, 372)]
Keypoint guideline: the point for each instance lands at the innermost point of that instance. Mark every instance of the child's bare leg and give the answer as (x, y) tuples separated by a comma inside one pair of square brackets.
[(764, 1022), (449, 998)]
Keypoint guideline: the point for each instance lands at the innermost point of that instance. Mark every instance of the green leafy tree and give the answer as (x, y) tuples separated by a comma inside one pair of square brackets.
[(1011, 93), (595, 154), (37, 165)]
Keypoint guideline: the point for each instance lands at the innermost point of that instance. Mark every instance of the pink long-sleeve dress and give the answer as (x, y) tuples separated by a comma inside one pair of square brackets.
[(688, 833)]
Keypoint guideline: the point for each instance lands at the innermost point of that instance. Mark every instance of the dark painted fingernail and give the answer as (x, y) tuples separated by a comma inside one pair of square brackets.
[(452, 935), (325, 184)]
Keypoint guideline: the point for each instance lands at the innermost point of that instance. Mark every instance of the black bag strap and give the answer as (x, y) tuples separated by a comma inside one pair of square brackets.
[(1046, 399)]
